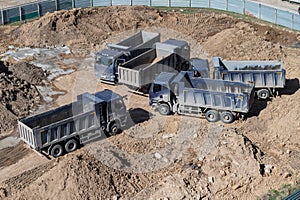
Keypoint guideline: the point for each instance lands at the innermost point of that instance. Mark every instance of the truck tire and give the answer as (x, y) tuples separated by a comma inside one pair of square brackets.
[(71, 145), (263, 94), (56, 151), (227, 117), (163, 109), (212, 116), (114, 129)]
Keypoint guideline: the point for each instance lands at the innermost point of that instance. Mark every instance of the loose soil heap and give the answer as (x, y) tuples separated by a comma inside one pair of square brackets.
[(17, 92)]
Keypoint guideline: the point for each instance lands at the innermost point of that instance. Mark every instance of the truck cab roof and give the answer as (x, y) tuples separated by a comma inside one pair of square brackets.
[(103, 96), (164, 77)]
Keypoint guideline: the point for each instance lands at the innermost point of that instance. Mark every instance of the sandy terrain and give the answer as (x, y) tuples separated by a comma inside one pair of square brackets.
[(158, 157)]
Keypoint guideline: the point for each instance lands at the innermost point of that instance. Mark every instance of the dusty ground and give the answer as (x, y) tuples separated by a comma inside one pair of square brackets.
[(169, 157)]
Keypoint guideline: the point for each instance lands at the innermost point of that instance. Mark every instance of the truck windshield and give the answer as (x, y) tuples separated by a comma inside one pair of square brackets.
[(104, 61), (157, 88)]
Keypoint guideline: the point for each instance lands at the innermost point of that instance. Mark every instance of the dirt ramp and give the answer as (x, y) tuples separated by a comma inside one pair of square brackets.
[(77, 176)]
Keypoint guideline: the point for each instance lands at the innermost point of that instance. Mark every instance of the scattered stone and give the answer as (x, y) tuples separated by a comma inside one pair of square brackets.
[(211, 179), (236, 186), (201, 158), (167, 136), (158, 155), (115, 197), (223, 173), (268, 169), (287, 174)]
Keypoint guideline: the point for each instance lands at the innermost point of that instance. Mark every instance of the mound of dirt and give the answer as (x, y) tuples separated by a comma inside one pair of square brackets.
[(17, 96), (78, 176), (89, 27), (28, 72)]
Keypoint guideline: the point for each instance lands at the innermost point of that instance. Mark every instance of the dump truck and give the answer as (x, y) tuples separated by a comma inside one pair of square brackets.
[(186, 94), (63, 129), (107, 60), (139, 72), (268, 77)]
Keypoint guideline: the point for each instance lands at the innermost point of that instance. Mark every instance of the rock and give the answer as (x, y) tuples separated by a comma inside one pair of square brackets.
[(167, 136), (222, 173), (115, 197), (201, 158), (287, 174), (211, 179), (158, 155), (268, 169), (288, 151), (236, 186), (3, 193)]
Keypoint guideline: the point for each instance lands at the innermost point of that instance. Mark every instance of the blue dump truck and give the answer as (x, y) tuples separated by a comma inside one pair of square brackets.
[(63, 129), (139, 72), (268, 77), (108, 60), (186, 94)]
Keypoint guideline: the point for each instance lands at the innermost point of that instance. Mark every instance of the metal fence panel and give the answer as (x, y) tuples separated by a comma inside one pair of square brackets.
[(160, 2), (297, 22), (141, 2), (65, 4), (284, 18), (1, 22), (236, 6), (30, 11), (47, 6), (218, 4), (82, 3), (11, 15), (268, 13), (251, 9), (180, 3), (200, 3), (101, 3), (121, 2)]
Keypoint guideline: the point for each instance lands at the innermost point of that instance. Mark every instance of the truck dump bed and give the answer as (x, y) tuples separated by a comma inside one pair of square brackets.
[(44, 129), (263, 74), (211, 93), (140, 40), (143, 69)]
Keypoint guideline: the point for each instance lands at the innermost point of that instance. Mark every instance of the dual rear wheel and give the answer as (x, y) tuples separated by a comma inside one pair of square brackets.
[(59, 149), (214, 116)]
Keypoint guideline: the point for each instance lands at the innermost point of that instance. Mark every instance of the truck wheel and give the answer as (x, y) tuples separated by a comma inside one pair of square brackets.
[(263, 94), (212, 116), (163, 109), (71, 145), (56, 151), (227, 117), (114, 129)]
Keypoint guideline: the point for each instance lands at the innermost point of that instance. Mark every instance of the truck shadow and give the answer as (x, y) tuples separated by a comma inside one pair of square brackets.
[(136, 116), (257, 107), (291, 87)]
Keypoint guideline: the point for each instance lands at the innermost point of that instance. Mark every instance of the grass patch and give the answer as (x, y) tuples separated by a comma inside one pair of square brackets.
[(282, 192)]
